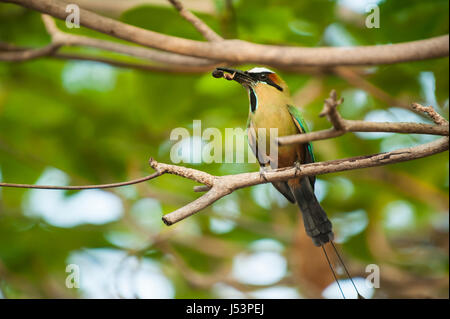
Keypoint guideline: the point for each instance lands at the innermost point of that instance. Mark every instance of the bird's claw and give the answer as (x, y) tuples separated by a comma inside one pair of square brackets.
[(262, 173), (297, 166)]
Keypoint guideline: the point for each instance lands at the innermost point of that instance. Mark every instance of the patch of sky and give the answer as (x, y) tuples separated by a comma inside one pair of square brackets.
[(359, 6), (333, 292), (111, 273), (399, 215), (338, 36), (349, 224), (225, 208), (86, 75), (84, 207), (264, 265)]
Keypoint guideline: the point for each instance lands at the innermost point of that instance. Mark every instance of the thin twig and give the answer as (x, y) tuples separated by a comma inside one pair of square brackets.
[(113, 185), (144, 53), (431, 112), (29, 54), (342, 126), (189, 68), (60, 39), (159, 68), (330, 111), (208, 33)]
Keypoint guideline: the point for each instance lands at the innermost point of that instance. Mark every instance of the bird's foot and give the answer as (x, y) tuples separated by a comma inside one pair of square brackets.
[(262, 173), (298, 167)]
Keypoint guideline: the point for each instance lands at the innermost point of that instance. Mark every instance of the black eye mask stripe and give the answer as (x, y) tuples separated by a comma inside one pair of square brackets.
[(264, 77), (274, 85), (253, 101)]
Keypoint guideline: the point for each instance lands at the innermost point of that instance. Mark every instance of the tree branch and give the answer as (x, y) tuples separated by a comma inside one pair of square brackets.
[(113, 185), (15, 54), (237, 51), (201, 27), (163, 68), (435, 116), (195, 66), (60, 39), (28, 54), (342, 126), (144, 53), (225, 185)]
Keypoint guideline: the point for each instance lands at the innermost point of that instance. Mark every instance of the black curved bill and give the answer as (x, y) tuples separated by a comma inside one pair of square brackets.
[(241, 77)]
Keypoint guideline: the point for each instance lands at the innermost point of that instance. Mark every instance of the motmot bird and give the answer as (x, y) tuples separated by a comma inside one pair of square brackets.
[(271, 106)]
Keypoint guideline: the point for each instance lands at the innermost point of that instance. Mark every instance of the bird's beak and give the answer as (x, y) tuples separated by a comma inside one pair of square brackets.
[(242, 77)]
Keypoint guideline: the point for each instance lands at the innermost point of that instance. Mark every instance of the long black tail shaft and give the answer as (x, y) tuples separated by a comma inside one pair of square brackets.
[(332, 271), (359, 296), (346, 270), (317, 225)]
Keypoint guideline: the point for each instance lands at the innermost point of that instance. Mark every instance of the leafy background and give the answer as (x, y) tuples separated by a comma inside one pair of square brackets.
[(74, 122)]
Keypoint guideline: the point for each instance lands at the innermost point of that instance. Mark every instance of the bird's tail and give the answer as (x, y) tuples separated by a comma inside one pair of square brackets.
[(317, 224)]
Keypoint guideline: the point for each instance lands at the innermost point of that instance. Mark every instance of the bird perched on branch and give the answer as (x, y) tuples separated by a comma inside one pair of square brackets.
[(271, 107)]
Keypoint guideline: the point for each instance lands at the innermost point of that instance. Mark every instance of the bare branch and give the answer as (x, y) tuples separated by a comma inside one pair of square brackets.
[(237, 51), (342, 126), (138, 52), (435, 116), (217, 192), (60, 39), (170, 62), (15, 54), (50, 25), (225, 185), (135, 51), (201, 27), (330, 111), (113, 185), (29, 54), (190, 173), (164, 68)]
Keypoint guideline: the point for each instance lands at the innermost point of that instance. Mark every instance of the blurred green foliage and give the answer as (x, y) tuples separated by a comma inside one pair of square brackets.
[(100, 124)]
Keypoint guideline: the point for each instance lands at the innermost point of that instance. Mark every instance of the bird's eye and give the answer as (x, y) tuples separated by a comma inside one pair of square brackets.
[(263, 76)]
